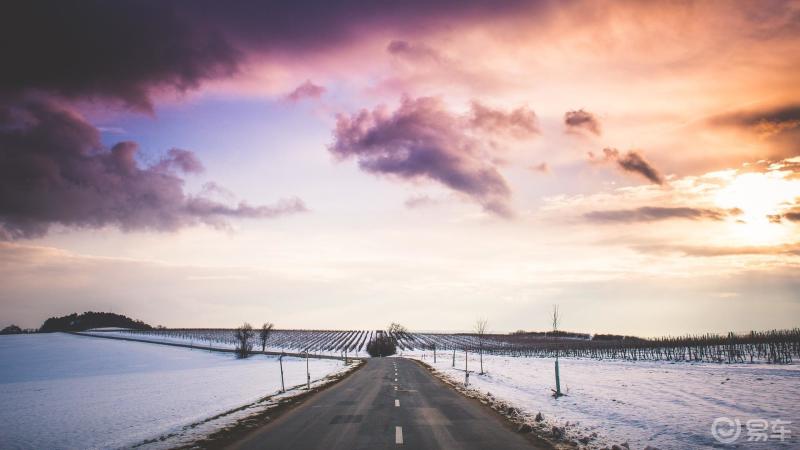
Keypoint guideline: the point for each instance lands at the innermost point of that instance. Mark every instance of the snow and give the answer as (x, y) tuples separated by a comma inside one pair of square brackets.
[(109, 329), (223, 339), (657, 404), (66, 391)]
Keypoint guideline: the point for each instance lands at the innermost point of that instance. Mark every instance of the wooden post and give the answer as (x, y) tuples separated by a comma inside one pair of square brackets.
[(280, 360), (454, 357), (558, 381), (466, 368), (308, 374), (434, 353), (481, 349)]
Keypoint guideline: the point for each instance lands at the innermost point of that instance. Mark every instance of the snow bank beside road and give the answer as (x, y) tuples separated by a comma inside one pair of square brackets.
[(66, 391), (657, 404)]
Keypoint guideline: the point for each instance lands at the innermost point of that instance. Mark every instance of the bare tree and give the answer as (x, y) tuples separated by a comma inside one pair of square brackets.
[(397, 331), (395, 327), (480, 331), (263, 334), (556, 320), (244, 337)]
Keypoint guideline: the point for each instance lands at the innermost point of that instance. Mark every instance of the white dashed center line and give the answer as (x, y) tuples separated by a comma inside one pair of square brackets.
[(396, 403), (398, 435)]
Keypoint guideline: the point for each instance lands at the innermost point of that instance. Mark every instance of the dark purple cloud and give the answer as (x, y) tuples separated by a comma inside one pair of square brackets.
[(654, 213), (125, 50), (54, 170), (414, 52), (111, 50), (306, 90), (520, 122), (763, 121), (582, 120), (423, 140), (632, 161), (179, 160)]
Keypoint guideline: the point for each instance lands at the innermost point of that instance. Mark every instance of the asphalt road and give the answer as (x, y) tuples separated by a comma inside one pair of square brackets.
[(389, 403)]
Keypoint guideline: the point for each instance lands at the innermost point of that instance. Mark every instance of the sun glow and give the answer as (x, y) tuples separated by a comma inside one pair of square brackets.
[(760, 197)]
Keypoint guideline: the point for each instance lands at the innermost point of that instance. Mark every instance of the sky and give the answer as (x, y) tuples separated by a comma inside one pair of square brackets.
[(201, 164)]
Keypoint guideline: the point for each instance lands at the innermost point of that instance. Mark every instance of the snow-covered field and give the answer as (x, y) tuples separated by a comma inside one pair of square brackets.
[(295, 342), (65, 391), (656, 404)]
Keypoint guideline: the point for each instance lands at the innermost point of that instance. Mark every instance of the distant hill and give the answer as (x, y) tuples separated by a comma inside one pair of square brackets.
[(11, 329), (91, 319)]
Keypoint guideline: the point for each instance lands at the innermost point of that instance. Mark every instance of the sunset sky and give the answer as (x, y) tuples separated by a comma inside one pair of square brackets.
[(201, 163)]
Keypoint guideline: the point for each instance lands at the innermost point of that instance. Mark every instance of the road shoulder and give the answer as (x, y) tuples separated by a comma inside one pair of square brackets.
[(242, 427), (535, 433)]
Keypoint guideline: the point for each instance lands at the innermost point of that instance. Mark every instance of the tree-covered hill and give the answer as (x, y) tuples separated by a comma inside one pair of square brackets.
[(91, 319)]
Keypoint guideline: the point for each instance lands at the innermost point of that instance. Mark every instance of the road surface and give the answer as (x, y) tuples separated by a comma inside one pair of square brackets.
[(389, 403)]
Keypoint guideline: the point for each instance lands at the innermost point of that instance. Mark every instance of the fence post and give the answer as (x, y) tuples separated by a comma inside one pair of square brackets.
[(466, 368), (434, 353), (558, 382), (454, 357), (280, 360), (308, 374)]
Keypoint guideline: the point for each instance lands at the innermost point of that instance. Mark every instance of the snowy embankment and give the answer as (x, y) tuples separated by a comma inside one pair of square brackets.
[(66, 391), (657, 404)]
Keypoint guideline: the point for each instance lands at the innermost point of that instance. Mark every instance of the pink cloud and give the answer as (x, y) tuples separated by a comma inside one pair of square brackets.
[(306, 90)]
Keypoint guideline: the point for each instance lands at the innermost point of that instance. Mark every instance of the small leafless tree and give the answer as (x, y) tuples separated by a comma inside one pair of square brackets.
[(244, 340), (480, 331), (263, 334), (395, 328), (556, 320), (397, 331)]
